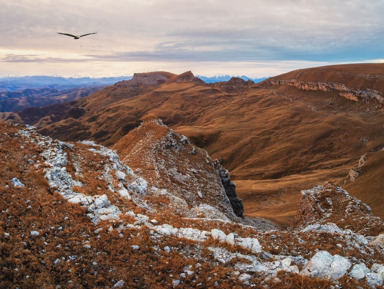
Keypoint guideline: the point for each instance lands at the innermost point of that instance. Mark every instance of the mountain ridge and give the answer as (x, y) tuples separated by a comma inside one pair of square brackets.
[(274, 139)]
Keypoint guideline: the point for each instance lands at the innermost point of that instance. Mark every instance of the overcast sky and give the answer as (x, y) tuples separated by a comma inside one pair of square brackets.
[(210, 37)]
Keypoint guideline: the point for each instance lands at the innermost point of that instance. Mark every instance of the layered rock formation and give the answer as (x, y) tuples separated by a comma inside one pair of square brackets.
[(152, 78), (343, 90)]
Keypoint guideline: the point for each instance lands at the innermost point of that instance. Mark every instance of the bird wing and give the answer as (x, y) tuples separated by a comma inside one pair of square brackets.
[(87, 34), (67, 34)]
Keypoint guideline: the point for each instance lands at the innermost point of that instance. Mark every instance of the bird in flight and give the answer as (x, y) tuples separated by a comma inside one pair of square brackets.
[(76, 36)]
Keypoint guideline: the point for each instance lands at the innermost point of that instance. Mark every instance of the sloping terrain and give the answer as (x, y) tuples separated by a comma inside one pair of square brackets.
[(277, 137), (75, 215)]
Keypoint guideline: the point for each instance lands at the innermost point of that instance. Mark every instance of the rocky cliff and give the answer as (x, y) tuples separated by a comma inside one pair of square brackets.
[(344, 91)]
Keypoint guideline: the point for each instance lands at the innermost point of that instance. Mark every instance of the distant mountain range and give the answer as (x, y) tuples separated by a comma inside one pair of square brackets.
[(18, 93), (54, 82), (38, 97), (222, 78)]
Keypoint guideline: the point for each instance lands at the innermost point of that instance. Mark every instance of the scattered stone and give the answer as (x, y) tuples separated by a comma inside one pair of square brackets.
[(17, 183), (34, 233), (155, 222), (176, 282), (135, 247), (245, 278), (119, 284)]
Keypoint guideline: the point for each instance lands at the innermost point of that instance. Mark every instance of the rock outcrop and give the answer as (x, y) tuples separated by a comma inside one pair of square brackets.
[(343, 90), (331, 204), (230, 190), (169, 161), (355, 172), (149, 78)]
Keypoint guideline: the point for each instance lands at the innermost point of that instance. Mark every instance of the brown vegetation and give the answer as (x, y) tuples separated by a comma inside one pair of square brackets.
[(275, 140)]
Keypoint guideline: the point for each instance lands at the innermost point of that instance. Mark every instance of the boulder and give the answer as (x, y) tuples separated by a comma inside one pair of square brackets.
[(324, 265)]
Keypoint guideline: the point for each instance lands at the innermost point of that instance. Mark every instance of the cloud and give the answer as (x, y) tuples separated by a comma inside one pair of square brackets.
[(193, 31)]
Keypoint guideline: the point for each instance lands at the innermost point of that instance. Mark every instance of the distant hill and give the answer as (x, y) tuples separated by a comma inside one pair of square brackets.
[(12, 101), (222, 78), (53, 82)]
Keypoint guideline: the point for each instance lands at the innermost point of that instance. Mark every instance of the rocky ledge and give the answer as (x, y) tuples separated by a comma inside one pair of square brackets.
[(343, 90)]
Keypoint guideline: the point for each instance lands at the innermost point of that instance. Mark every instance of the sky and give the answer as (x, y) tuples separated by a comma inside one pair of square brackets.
[(257, 38)]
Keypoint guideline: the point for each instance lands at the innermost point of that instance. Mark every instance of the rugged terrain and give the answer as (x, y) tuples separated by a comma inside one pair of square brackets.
[(277, 137), (79, 215)]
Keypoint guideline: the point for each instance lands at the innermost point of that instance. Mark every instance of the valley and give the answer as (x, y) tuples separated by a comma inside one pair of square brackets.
[(275, 138)]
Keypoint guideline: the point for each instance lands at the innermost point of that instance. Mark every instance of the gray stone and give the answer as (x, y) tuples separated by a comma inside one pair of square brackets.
[(34, 233), (374, 279), (218, 235), (324, 265), (119, 284), (245, 278), (359, 271), (17, 183)]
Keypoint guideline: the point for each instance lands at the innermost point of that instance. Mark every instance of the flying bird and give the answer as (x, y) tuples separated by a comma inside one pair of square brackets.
[(76, 36)]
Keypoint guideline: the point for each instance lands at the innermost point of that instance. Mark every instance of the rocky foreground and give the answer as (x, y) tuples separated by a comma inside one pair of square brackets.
[(79, 215)]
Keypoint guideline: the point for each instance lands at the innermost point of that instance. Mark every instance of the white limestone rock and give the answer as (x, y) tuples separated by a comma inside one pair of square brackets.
[(17, 183), (359, 271), (34, 233), (139, 186), (245, 278), (218, 235), (374, 279), (249, 243), (124, 194), (326, 228), (324, 265)]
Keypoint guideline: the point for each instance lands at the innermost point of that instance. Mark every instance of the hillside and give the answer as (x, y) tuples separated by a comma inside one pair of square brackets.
[(276, 138), (76, 215)]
